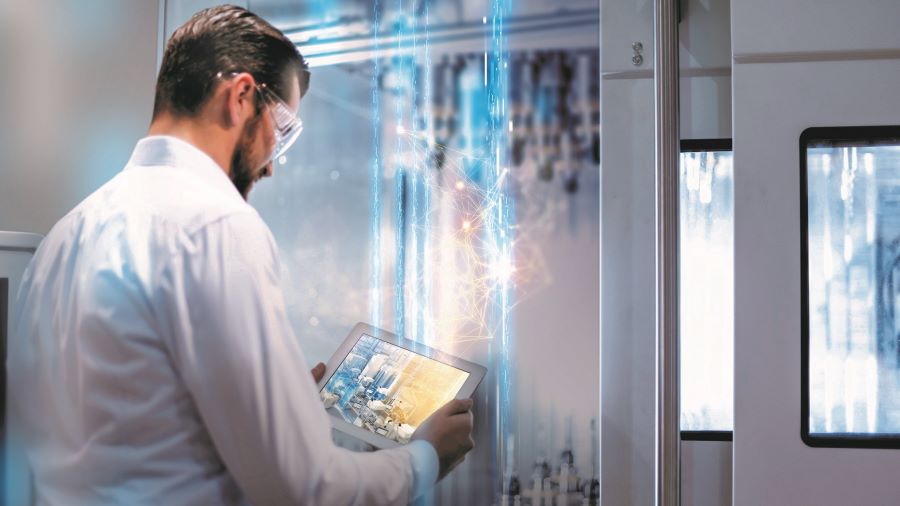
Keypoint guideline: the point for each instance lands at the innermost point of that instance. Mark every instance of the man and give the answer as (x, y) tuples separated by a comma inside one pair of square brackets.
[(153, 362)]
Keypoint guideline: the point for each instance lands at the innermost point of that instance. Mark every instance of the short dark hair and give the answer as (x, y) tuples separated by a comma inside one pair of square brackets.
[(224, 39)]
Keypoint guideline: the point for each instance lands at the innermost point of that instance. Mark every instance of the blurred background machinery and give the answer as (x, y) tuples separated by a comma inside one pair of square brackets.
[(397, 181)]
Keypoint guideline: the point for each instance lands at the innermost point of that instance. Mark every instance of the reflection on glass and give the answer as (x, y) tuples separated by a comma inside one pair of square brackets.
[(854, 282), (389, 390), (706, 290)]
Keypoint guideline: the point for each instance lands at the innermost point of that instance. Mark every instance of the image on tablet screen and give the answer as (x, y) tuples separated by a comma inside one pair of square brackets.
[(389, 390)]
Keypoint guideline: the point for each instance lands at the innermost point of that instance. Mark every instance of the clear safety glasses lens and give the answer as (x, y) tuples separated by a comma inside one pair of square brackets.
[(288, 125)]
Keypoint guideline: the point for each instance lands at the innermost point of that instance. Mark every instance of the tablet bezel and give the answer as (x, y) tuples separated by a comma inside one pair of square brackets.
[(476, 374)]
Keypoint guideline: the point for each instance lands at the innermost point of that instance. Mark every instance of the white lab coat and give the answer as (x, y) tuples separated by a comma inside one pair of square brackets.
[(152, 362)]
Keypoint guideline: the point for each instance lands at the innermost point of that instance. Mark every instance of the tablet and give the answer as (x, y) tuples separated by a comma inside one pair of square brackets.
[(380, 388)]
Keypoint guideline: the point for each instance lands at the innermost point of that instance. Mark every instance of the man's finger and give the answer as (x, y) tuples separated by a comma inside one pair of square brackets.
[(458, 406), (318, 372), (460, 421)]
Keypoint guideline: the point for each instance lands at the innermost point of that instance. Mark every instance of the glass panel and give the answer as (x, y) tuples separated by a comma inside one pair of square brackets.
[(707, 289), (447, 189), (318, 207), (853, 285)]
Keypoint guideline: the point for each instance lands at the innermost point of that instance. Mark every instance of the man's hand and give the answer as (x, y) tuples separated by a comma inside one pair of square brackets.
[(318, 372), (449, 430)]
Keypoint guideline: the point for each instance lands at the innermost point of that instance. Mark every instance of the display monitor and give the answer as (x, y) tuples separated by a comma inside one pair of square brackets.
[(850, 286), (706, 293), (388, 389)]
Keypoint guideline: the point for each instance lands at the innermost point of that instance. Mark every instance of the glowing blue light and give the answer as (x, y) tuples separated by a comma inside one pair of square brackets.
[(375, 177)]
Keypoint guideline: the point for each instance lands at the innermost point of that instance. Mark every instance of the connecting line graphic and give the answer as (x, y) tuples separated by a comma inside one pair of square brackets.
[(460, 253), (426, 272), (473, 243)]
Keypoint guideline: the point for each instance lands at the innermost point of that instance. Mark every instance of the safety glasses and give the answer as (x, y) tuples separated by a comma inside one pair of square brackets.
[(288, 125)]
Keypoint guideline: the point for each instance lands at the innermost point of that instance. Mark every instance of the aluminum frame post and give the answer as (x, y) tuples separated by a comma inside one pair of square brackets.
[(665, 80)]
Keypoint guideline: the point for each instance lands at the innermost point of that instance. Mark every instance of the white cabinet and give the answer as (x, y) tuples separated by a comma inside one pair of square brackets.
[(773, 104)]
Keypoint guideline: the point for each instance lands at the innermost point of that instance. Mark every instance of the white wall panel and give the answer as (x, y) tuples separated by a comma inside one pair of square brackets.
[(627, 352), (76, 91), (706, 107), (777, 26), (773, 104), (623, 23), (705, 473)]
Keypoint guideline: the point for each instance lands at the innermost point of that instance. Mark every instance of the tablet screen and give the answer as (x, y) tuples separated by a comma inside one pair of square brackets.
[(389, 390)]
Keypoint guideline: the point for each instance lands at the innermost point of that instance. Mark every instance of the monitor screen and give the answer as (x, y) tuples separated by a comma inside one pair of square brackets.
[(851, 286), (389, 390), (706, 298)]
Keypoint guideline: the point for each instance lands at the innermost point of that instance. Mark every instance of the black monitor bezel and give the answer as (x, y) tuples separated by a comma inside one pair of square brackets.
[(697, 145), (849, 135)]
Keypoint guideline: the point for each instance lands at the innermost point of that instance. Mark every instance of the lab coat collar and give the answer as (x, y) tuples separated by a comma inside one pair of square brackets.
[(168, 151)]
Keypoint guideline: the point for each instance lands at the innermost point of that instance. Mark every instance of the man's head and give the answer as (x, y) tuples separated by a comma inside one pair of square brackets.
[(233, 72)]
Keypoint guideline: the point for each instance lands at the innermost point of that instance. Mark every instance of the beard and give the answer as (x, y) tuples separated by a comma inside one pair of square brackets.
[(242, 174)]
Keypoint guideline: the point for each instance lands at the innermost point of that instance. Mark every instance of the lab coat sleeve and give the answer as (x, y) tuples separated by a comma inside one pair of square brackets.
[(233, 347)]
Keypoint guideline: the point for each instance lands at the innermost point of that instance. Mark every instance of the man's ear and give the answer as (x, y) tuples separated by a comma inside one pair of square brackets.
[(239, 97)]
